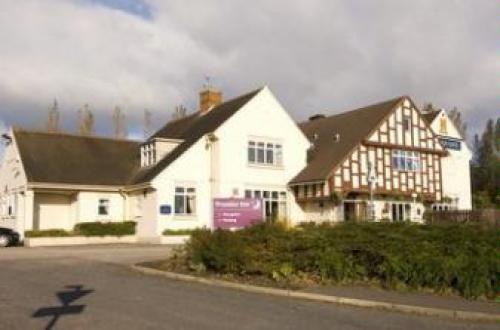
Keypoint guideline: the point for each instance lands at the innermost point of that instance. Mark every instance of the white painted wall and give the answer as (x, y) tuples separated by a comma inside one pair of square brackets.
[(13, 187), (456, 166), (220, 168)]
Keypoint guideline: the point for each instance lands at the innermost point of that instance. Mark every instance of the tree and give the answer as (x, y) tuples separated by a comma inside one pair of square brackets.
[(147, 123), (119, 124), (53, 118), (486, 170), (456, 117), (85, 121)]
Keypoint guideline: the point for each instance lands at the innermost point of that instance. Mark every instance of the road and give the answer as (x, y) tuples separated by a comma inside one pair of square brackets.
[(93, 288)]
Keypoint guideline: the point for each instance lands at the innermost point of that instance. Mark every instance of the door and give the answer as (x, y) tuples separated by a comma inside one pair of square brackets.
[(52, 211)]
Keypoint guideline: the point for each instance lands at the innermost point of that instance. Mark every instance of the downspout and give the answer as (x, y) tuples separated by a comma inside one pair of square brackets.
[(124, 205)]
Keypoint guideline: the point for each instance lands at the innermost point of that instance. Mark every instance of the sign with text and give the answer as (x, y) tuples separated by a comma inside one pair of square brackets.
[(449, 143), (236, 213)]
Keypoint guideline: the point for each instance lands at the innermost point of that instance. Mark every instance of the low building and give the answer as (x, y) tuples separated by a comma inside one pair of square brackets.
[(382, 161), (245, 147)]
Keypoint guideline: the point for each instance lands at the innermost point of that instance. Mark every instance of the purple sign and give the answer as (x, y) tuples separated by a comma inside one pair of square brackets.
[(236, 213)]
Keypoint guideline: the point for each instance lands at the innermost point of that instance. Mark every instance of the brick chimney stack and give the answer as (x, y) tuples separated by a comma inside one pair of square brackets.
[(209, 98)]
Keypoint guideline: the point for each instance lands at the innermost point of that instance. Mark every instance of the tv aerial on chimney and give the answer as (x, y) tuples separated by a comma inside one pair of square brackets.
[(207, 84)]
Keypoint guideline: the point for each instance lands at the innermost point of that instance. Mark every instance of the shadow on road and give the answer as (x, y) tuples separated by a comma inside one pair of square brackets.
[(66, 297)]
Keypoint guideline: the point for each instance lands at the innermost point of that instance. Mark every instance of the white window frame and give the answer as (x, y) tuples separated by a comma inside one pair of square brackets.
[(187, 193), (404, 160), (264, 152)]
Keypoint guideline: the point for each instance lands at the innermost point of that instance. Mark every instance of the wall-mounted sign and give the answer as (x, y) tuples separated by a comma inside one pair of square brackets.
[(165, 209), (452, 144), (236, 213)]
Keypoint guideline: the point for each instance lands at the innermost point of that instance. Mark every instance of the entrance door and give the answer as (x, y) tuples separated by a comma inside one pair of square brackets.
[(400, 211)]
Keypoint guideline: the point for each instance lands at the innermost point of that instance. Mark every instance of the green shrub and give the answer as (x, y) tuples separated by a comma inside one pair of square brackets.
[(465, 259), (47, 233), (105, 228), (175, 232)]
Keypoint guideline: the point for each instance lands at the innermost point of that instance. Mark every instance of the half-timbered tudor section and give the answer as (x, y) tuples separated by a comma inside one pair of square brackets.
[(382, 161)]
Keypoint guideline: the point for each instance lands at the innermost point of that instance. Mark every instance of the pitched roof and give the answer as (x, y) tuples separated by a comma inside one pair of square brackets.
[(190, 129), (352, 127), (429, 116), (73, 159)]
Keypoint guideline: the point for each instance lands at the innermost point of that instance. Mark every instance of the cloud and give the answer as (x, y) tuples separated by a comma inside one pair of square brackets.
[(316, 55)]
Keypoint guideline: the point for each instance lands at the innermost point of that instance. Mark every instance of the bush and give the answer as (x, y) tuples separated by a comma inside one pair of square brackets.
[(464, 259), (105, 228), (47, 233), (178, 231)]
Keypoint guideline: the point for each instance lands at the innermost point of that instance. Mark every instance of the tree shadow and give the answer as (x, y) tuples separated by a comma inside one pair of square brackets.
[(66, 298)]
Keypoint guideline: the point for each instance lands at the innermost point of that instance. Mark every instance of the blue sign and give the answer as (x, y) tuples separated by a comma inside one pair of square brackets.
[(450, 143), (165, 209)]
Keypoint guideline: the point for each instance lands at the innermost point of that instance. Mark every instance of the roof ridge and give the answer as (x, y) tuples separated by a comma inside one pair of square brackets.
[(361, 108), (67, 134)]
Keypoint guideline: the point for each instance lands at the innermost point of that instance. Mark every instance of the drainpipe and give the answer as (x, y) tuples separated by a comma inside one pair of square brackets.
[(125, 202)]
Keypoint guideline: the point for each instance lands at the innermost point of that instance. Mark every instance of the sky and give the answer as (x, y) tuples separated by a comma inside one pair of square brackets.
[(317, 56)]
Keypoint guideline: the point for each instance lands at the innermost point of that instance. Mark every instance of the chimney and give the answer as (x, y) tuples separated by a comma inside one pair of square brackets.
[(209, 98)]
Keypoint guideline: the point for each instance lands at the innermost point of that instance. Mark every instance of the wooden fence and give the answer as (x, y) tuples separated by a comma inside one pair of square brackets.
[(485, 217)]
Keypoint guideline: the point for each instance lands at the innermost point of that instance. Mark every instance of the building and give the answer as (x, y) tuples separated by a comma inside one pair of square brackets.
[(382, 161), (455, 166), (245, 147)]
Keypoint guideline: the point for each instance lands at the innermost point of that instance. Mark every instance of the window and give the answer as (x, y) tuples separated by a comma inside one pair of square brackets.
[(185, 201), (148, 154), (406, 123), (265, 153), (274, 202), (103, 208), (443, 126), (405, 160)]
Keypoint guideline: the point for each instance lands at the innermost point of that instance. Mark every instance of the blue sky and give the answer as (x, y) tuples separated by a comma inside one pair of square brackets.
[(316, 55), (134, 7)]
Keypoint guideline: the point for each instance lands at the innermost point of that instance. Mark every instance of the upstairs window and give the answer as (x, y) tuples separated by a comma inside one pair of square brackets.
[(185, 200), (406, 123), (443, 126), (265, 153), (403, 160), (103, 207), (148, 154)]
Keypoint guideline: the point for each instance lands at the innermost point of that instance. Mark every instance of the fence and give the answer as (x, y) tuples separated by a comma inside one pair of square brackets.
[(486, 217)]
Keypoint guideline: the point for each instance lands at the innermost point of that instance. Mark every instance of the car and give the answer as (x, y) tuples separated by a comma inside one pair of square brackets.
[(8, 237)]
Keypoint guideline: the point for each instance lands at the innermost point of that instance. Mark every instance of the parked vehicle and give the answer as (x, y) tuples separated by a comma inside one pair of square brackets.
[(8, 237)]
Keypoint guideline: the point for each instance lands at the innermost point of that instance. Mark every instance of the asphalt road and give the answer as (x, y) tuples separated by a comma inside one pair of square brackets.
[(92, 288)]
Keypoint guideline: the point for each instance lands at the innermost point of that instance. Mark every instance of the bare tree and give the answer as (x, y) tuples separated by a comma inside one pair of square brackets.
[(179, 112), (53, 118), (119, 124), (460, 124), (85, 121), (147, 123)]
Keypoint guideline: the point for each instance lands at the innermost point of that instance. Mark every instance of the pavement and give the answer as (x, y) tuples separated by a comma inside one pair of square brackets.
[(94, 288)]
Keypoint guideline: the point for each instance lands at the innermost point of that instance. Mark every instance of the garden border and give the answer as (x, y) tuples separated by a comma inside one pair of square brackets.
[(411, 309)]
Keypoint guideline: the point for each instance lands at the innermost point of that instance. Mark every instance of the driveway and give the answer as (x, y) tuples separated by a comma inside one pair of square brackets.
[(93, 288)]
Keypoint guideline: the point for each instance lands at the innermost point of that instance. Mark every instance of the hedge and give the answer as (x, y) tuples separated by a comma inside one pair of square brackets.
[(47, 233), (88, 229), (105, 228), (462, 259), (175, 232)]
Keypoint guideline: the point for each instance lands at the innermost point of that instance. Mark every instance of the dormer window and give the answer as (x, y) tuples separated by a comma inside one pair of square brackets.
[(148, 154)]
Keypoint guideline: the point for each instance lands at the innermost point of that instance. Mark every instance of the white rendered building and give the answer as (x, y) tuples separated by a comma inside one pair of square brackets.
[(455, 166)]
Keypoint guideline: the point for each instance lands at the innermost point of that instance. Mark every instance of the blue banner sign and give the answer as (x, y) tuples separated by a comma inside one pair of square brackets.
[(165, 209), (452, 144)]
